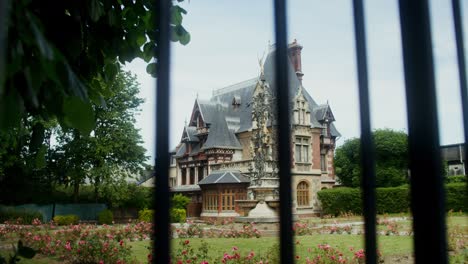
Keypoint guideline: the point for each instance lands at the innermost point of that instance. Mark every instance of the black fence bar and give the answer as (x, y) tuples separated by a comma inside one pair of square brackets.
[(161, 196), (427, 191), (367, 145), (284, 135), (4, 4), (457, 21)]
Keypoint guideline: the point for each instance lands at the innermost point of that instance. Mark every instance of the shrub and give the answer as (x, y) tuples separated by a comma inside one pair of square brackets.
[(389, 200), (455, 178), (179, 201), (178, 215), (66, 219), (105, 217), (392, 200), (456, 197), (338, 200), (21, 215), (145, 215)]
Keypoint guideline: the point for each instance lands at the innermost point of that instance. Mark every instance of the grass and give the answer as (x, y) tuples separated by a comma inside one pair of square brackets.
[(389, 245)]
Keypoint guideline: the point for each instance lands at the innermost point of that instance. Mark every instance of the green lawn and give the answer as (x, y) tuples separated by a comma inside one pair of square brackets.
[(389, 245)]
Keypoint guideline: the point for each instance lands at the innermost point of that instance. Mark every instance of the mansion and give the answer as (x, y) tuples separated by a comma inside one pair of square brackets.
[(226, 158)]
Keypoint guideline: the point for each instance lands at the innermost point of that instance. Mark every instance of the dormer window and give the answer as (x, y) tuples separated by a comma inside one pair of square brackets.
[(302, 113), (236, 101)]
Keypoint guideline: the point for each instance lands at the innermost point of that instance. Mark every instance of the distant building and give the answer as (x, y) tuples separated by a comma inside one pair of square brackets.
[(226, 158), (455, 157)]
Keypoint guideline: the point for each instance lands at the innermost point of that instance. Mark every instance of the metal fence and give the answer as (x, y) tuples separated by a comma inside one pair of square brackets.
[(427, 193)]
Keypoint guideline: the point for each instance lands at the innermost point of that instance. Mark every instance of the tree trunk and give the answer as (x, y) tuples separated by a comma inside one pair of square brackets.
[(76, 191)]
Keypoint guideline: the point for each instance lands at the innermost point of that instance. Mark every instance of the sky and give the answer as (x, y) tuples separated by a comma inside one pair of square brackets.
[(229, 37)]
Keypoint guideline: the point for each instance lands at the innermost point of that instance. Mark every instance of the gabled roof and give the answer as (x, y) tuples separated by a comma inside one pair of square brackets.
[(189, 134), (244, 90), (220, 136), (220, 177), (323, 112), (181, 151)]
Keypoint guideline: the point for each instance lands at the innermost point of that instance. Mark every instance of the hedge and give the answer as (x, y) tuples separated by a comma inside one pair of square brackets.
[(12, 215), (456, 197), (389, 200), (105, 217), (146, 215)]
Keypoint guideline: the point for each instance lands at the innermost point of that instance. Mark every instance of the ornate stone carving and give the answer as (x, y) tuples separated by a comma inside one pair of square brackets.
[(263, 134)]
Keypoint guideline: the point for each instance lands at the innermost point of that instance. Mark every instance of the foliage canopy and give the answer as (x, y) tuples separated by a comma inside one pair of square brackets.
[(391, 153)]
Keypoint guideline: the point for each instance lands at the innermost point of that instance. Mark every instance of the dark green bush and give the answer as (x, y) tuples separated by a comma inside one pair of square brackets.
[(178, 215), (25, 216), (66, 219), (392, 200), (455, 178), (180, 201), (389, 200), (146, 215), (105, 217), (340, 200), (456, 197)]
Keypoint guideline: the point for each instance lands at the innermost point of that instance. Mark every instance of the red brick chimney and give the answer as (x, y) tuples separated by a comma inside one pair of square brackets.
[(294, 52)]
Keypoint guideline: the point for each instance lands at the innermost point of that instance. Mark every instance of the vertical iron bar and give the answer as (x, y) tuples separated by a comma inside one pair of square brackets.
[(4, 15), (161, 195), (284, 136), (367, 146), (427, 188), (457, 21)]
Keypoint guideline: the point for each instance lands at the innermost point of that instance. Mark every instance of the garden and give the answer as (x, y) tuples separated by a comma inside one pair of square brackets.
[(317, 240)]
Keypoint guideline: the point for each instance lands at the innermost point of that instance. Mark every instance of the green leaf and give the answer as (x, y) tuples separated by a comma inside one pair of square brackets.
[(79, 114), (141, 39), (148, 51), (41, 157), (183, 35), (10, 111), (111, 71), (151, 69), (44, 46), (176, 15), (96, 10)]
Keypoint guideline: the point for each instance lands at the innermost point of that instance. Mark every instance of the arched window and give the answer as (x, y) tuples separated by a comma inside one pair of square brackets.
[(303, 194)]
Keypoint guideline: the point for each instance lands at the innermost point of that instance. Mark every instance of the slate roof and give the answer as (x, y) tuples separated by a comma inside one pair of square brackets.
[(245, 90), (185, 188), (220, 177), (181, 151), (220, 136), (191, 131)]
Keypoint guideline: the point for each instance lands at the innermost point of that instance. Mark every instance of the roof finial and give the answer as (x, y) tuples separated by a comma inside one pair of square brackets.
[(185, 122), (197, 95)]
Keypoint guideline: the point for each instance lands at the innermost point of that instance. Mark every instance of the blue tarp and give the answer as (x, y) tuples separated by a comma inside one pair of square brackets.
[(83, 211)]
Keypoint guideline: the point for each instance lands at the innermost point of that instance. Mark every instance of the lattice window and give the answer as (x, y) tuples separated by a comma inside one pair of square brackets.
[(210, 200), (303, 194), (302, 149)]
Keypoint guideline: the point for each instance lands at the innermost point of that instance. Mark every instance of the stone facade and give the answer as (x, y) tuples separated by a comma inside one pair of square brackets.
[(226, 159)]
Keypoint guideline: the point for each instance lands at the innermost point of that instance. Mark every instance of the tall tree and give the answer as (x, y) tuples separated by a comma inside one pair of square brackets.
[(391, 150), (114, 147), (59, 53)]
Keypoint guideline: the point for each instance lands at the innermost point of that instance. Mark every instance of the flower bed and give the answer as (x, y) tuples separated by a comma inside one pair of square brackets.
[(79, 243)]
